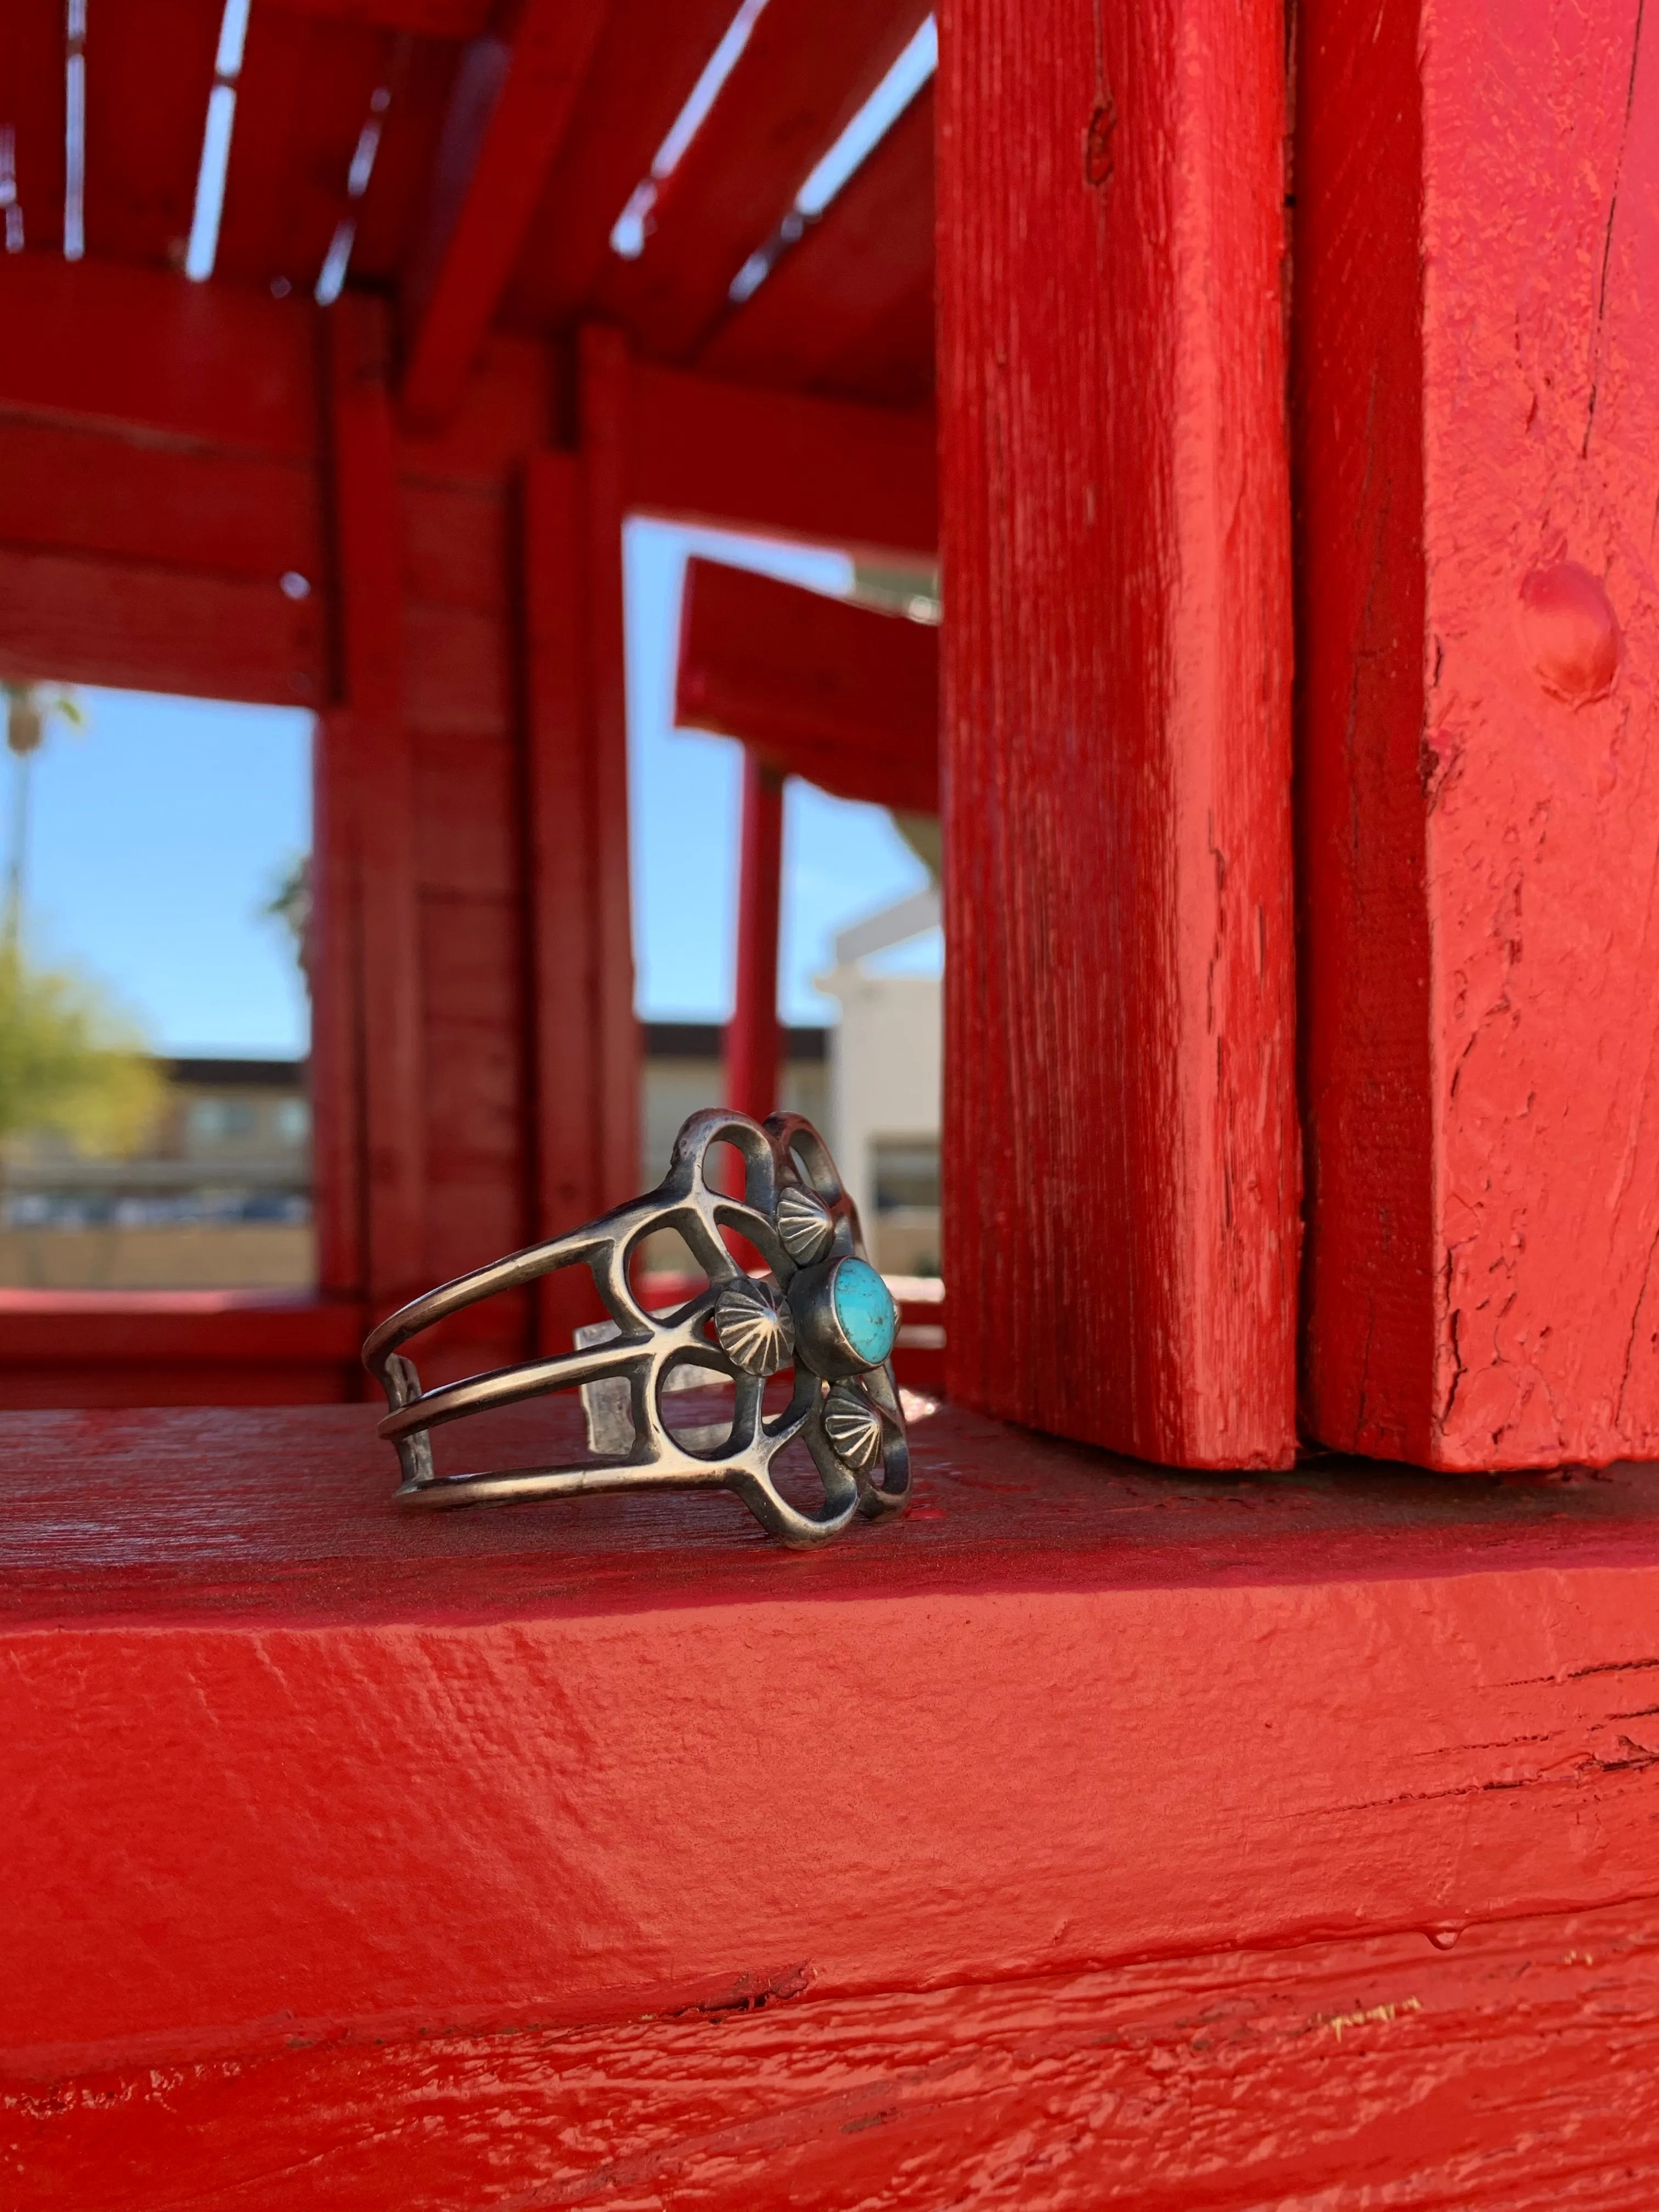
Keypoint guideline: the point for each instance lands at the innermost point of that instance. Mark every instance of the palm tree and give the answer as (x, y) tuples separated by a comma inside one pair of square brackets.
[(28, 708)]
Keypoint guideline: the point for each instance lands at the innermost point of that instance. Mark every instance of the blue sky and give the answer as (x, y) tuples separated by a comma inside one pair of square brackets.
[(159, 831)]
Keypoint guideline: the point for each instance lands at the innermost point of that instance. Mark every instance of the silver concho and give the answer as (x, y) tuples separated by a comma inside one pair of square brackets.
[(853, 1426), (806, 1224), (753, 1328)]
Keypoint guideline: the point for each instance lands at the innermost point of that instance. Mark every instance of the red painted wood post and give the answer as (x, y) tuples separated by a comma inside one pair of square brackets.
[(614, 1039), (585, 1047), (560, 786), (1477, 411), (751, 1037), (370, 771), (1121, 1167)]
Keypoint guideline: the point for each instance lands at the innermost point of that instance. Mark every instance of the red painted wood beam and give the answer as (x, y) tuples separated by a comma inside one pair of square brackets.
[(819, 317), (752, 1039), (509, 110), (426, 19), (840, 694), (808, 67), (609, 1737), (1116, 729), (649, 56), (585, 1040), (1477, 405), (367, 776), (835, 471)]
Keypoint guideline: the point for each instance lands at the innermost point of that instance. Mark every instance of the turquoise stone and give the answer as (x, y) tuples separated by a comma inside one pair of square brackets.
[(864, 1312)]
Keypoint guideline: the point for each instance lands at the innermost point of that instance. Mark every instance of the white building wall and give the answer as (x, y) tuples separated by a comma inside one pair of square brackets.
[(884, 1070)]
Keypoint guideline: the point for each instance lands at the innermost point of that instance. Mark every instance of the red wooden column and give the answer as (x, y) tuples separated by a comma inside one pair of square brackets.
[(751, 1037), (1477, 413), (367, 779), (586, 1047), (1121, 1168)]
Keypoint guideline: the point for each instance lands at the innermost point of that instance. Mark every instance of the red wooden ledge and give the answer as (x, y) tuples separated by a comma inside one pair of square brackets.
[(604, 1853), (177, 1348)]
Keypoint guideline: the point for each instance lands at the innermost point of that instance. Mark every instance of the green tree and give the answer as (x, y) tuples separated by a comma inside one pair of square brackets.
[(71, 1064)]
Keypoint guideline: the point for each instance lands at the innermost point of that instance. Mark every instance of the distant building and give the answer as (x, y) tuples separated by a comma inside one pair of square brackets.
[(884, 1088), (219, 1198)]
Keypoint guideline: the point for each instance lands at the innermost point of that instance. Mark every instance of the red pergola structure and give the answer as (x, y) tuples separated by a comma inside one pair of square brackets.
[(1147, 1819)]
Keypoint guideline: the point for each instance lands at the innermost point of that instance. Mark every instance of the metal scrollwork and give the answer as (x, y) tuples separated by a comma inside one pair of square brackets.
[(820, 1308)]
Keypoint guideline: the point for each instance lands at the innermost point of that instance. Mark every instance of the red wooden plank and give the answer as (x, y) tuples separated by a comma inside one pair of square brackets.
[(1117, 756), (303, 101), (699, 450), (68, 1348), (508, 113), (421, 79), (87, 491), (198, 1901), (131, 348), (613, 1038), (861, 265), (369, 734), (149, 68), (92, 621), (1368, 2069), (837, 693), (428, 19), (808, 67), (753, 1040), (648, 58), (1478, 403), (559, 804), (31, 49)]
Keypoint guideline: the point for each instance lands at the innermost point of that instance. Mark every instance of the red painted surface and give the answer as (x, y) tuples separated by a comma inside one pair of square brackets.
[(837, 693), (1217, 1841), (371, 729), (612, 1043), (512, 104), (806, 72), (862, 477), (1120, 1177), (753, 1043), (1476, 378), (176, 1348), (850, 308), (649, 56)]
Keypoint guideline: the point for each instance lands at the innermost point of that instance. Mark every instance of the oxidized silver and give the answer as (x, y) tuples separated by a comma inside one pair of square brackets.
[(821, 1308)]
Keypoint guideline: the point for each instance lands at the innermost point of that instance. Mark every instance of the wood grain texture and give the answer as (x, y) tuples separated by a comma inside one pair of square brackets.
[(370, 733), (1478, 391), (149, 628), (808, 67), (612, 1040), (62, 1348), (302, 99), (1297, 1828), (649, 56), (511, 105), (134, 348), (1121, 1162), (840, 694), (1517, 2074), (703, 450), (133, 498), (149, 66), (559, 801), (819, 320)]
